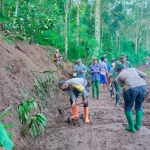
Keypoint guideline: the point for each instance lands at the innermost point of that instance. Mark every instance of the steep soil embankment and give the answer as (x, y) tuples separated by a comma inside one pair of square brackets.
[(18, 63), (106, 131)]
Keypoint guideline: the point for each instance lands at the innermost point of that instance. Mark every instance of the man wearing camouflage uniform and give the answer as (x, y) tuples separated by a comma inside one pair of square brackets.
[(113, 74)]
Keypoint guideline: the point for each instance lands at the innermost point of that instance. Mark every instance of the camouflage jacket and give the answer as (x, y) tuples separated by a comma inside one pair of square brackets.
[(114, 73)]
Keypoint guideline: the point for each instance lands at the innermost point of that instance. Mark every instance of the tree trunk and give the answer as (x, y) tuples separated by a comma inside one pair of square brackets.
[(97, 25), (78, 22), (147, 34), (102, 32), (138, 26), (117, 40), (66, 29), (3, 6), (137, 37), (16, 10)]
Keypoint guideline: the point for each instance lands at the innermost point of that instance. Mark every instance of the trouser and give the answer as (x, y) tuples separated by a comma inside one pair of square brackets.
[(76, 93), (115, 86), (95, 84), (134, 95)]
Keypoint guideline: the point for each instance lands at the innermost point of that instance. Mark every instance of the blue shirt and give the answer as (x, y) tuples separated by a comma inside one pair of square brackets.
[(95, 76), (108, 66), (81, 67)]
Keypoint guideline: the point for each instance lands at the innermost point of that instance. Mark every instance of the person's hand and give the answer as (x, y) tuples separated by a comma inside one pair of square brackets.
[(73, 104), (111, 79), (84, 101)]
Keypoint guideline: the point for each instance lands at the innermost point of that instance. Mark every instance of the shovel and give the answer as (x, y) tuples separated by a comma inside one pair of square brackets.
[(60, 110)]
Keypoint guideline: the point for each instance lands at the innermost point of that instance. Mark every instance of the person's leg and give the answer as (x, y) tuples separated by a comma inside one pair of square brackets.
[(86, 111), (75, 113), (93, 88), (101, 83), (97, 88), (138, 105), (117, 87), (112, 89), (104, 83), (129, 102)]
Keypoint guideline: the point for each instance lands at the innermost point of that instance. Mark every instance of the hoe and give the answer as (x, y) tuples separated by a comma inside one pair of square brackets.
[(60, 110)]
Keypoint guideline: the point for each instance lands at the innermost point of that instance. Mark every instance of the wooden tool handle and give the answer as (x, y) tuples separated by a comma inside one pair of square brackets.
[(69, 106)]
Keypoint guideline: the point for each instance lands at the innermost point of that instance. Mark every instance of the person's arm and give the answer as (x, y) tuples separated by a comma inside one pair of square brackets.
[(119, 81), (73, 98), (129, 64), (91, 70), (141, 74), (56, 56), (99, 70), (75, 69), (106, 69), (85, 70)]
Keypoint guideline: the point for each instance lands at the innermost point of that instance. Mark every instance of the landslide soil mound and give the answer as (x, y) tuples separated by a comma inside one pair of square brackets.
[(18, 64)]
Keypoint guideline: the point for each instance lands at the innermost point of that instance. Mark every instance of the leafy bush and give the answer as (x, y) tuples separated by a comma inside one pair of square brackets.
[(36, 125), (44, 87), (5, 137), (34, 121), (24, 110)]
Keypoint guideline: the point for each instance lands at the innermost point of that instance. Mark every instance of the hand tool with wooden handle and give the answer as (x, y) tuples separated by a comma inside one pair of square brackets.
[(60, 110)]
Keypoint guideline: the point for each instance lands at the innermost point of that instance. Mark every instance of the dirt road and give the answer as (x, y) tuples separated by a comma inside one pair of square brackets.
[(106, 132)]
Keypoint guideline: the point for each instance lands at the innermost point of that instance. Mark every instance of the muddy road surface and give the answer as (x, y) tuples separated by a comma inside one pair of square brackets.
[(105, 132)]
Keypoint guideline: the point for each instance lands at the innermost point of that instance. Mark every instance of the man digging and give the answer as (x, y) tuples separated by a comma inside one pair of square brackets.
[(134, 85), (74, 87)]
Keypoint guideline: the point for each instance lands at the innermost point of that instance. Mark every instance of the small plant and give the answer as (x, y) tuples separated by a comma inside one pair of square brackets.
[(5, 137), (25, 108), (36, 125), (8, 68), (34, 121), (44, 87)]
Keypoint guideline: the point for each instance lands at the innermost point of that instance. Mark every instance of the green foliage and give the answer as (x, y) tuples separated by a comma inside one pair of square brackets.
[(44, 87), (5, 112), (34, 121), (5, 140), (24, 110), (5, 137), (8, 68), (36, 125), (43, 22)]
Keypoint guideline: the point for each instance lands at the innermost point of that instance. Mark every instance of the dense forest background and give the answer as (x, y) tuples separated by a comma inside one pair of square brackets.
[(82, 28)]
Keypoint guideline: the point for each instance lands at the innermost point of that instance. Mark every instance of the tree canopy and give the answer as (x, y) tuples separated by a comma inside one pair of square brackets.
[(82, 28)]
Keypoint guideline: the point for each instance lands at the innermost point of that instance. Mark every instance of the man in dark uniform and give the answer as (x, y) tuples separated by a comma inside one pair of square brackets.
[(126, 64), (134, 91)]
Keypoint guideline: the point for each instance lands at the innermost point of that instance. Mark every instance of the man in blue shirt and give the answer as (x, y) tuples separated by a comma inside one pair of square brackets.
[(95, 78), (80, 69)]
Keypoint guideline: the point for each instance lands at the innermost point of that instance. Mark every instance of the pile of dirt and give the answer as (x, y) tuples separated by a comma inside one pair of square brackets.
[(19, 62)]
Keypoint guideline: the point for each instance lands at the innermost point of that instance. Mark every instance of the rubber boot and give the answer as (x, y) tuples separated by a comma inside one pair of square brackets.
[(117, 99), (139, 116), (130, 120), (86, 115), (74, 112)]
